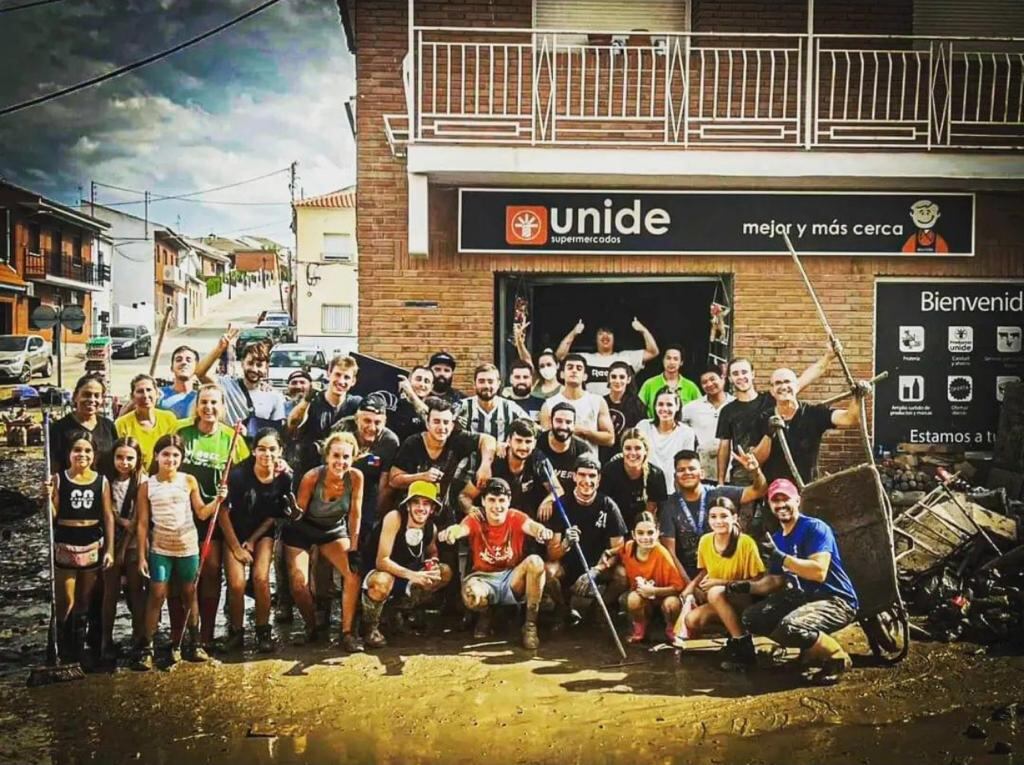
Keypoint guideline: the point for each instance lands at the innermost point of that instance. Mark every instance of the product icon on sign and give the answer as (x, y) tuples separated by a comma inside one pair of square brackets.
[(911, 388), (1008, 339), (1001, 382), (526, 224), (911, 339), (959, 388), (961, 339)]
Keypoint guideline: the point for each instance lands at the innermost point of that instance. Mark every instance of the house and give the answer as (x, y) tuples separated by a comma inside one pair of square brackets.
[(178, 278), (327, 292), (550, 160), (48, 257), (251, 254), (213, 262)]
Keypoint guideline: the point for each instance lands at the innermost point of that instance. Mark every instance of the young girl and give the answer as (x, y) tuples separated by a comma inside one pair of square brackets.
[(666, 434), (167, 502), (125, 478), (145, 422), (83, 537), (258, 495), (654, 580), (331, 499), (723, 556)]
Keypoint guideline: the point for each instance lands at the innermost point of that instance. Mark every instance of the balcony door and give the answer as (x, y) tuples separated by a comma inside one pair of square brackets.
[(56, 251)]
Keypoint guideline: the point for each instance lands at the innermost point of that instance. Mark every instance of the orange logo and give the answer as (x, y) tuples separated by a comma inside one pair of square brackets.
[(526, 224)]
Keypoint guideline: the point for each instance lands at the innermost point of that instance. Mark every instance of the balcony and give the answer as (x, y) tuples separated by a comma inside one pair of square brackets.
[(508, 87), (64, 270)]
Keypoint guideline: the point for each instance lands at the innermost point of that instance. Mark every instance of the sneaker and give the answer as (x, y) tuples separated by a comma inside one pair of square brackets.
[(264, 640), (350, 643), (175, 654), (375, 638), (235, 642), (195, 652), (638, 633), (143, 660), (531, 641), (482, 630)]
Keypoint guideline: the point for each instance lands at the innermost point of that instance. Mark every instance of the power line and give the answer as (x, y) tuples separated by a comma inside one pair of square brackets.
[(23, 6), (136, 64), (187, 194)]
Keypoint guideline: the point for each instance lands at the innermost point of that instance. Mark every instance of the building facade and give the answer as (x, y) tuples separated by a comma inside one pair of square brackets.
[(133, 262)]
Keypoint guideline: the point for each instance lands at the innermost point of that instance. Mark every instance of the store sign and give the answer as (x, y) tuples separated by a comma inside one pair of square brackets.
[(715, 223), (950, 348)]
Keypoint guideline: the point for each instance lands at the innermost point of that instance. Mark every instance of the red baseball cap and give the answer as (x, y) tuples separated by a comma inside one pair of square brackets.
[(783, 486)]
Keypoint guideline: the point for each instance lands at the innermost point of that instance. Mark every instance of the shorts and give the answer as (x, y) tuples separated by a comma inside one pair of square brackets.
[(500, 585), (244, 530), (398, 590), (305, 535), (164, 568)]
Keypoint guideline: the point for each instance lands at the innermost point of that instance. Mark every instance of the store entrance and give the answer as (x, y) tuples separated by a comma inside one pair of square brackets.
[(675, 309)]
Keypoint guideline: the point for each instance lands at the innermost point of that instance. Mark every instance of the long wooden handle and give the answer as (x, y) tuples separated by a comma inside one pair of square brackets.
[(160, 341)]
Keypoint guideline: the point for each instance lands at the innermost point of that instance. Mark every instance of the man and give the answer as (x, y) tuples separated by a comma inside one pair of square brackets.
[(312, 420), (180, 396), (809, 592), (624, 406), (561, 447), (300, 383), (406, 563), (408, 416), (601, 361), (248, 399), (502, 574), (442, 364), (702, 416), (739, 421), (593, 422), (518, 468), (683, 517), (520, 389), (802, 424), (672, 366), (487, 412)]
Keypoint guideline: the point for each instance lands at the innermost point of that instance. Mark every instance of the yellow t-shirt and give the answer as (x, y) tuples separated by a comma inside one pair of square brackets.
[(164, 424), (745, 563)]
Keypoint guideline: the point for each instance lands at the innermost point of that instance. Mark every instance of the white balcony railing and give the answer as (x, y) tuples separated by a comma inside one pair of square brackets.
[(702, 90)]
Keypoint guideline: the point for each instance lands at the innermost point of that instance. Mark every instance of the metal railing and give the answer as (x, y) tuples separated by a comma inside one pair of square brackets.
[(541, 87), (40, 265)]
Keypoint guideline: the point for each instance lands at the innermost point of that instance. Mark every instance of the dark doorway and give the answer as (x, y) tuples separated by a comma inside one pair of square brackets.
[(6, 318), (675, 309)]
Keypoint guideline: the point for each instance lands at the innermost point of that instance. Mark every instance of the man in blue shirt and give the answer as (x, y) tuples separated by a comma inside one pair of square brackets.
[(809, 592), (180, 396)]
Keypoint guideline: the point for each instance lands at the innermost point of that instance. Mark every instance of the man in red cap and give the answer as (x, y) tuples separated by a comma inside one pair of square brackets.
[(809, 592)]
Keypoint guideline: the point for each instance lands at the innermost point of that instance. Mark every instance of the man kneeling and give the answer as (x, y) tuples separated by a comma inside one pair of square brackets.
[(502, 575), (407, 562)]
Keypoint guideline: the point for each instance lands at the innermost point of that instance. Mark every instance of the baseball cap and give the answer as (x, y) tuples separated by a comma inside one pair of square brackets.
[(374, 404), (497, 486), (300, 373), (424, 489), (442, 357), (783, 486)]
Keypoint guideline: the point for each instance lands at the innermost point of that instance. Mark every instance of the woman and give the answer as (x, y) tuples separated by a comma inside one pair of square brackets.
[(207, 443), (87, 403), (547, 370), (83, 536), (654, 580), (723, 556), (258, 494), (624, 406), (631, 480), (330, 497), (169, 553), (145, 423), (666, 434)]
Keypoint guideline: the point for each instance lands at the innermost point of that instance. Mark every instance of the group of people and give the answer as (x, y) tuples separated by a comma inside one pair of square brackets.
[(566, 486)]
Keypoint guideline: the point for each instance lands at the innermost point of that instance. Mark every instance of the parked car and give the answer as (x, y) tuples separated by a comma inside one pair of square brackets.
[(254, 335), (131, 340), (22, 356), (286, 330), (285, 358)]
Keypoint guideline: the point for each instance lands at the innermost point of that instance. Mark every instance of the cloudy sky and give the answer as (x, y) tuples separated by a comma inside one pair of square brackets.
[(247, 102)]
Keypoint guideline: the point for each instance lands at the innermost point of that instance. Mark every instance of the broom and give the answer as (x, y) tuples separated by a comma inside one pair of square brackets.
[(55, 670)]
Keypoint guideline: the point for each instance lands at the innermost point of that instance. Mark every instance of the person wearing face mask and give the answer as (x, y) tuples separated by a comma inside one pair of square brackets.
[(702, 416), (442, 364), (310, 422), (487, 412), (547, 384), (624, 406), (599, 362), (410, 413), (406, 565), (520, 389)]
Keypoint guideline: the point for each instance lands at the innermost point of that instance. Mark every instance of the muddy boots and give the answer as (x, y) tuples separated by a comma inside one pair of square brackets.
[(236, 640), (264, 639), (143, 660), (827, 654), (193, 649), (371, 622), (531, 641), (482, 630), (738, 654)]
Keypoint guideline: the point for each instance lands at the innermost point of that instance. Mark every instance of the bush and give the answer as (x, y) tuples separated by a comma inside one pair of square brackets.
[(214, 285)]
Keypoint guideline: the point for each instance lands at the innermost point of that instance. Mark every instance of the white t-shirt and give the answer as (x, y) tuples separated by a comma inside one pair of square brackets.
[(598, 364), (664, 447), (588, 408), (702, 416)]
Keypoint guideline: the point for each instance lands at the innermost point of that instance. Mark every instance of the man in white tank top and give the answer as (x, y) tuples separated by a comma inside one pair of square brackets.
[(593, 422)]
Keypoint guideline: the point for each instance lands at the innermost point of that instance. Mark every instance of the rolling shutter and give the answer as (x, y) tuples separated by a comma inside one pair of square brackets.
[(612, 15), (969, 18)]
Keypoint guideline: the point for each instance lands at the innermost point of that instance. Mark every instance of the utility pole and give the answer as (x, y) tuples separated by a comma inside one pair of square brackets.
[(146, 213), (293, 256), (92, 198)]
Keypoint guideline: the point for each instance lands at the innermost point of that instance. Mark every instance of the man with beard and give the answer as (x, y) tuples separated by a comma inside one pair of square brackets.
[(624, 406), (442, 364), (593, 423), (409, 415), (487, 412), (300, 383), (518, 468), (520, 389), (311, 421), (600, 362), (702, 416), (248, 399), (561, 447)]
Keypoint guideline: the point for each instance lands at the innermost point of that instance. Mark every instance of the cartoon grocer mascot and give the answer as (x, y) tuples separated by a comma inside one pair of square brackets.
[(925, 213)]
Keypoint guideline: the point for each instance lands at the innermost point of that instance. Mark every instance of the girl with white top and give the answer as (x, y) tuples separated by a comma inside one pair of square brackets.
[(666, 434)]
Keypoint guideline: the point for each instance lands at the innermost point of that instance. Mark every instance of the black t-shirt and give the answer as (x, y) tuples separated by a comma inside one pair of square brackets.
[(803, 434), (453, 396), (405, 421), (413, 457), (629, 493), (687, 525), (251, 501), (104, 434), (372, 464), (625, 414), (740, 422), (531, 405), (320, 418), (598, 522), (564, 463)]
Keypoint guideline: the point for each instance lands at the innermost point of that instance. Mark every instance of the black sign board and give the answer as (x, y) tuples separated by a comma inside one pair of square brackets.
[(715, 223), (950, 347), (377, 377)]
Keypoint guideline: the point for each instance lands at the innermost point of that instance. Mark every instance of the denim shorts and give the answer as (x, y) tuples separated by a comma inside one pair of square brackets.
[(500, 585)]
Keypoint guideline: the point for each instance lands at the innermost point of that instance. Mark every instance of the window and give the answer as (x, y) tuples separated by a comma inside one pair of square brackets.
[(6, 252), (337, 247), (336, 319), (651, 16), (76, 250), (34, 235)]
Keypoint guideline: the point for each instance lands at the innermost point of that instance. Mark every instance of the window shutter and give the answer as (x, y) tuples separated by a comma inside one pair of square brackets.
[(612, 15)]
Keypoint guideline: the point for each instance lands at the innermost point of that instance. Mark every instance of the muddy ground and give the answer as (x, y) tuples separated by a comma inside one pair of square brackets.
[(446, 698)]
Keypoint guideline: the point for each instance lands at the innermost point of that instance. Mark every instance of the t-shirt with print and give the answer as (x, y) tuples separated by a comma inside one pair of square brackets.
[(497, 548), (564, 463), (658, 567), (686, 521), (527, 489), (625, 414), (268, 409), (530, 404), (598, 365), (803, 435), (320, 417), (745, 562), (413, 457), (179, 403), (740, 422), (206, 455), (809, 536), (599, 522), (632, 494), (472, 417)]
